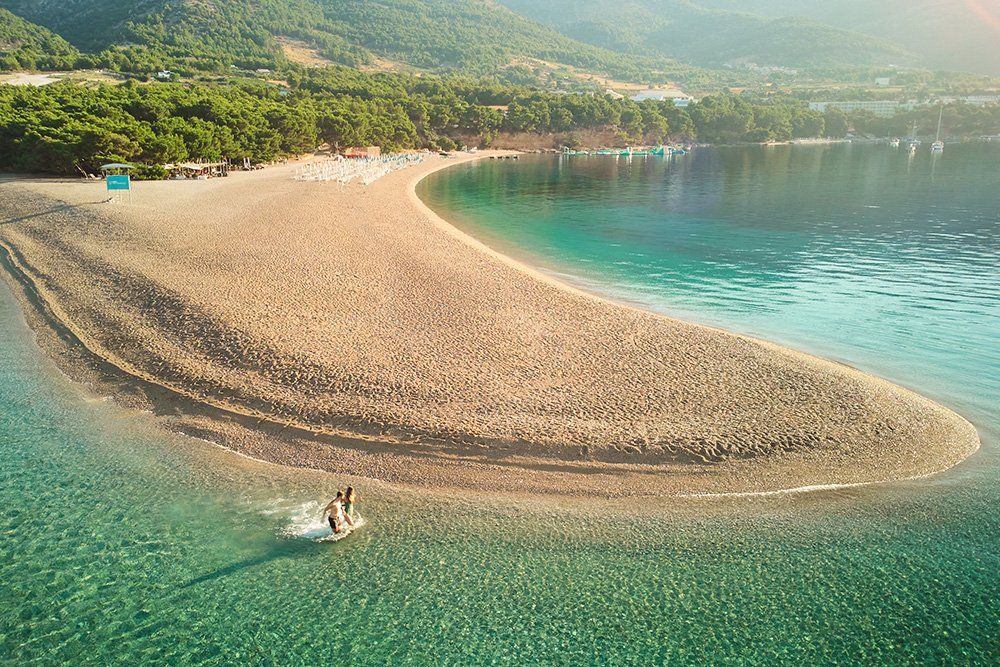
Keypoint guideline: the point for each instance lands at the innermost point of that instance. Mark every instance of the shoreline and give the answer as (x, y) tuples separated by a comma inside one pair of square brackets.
[(569, 284), (428, 460)]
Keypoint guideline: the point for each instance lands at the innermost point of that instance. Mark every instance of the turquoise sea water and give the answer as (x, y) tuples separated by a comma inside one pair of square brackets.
[(859, 253), (120, 544)]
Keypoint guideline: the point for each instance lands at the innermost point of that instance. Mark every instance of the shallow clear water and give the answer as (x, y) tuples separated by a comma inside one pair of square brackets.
[(120, 544), (860, 253)]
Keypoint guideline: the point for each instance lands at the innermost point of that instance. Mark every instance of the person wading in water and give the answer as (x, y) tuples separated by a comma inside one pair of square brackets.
[(335, 514), (349, 504)]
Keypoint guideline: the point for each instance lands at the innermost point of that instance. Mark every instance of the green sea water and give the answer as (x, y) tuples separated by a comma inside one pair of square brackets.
[(122, 544)]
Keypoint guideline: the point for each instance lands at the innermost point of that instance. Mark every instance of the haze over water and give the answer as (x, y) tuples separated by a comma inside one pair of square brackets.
[(121, 544)]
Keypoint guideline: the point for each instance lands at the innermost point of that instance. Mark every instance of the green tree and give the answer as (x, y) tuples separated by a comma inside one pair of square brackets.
[(722, 118), (807, 123), (835, 124), (771, 122)]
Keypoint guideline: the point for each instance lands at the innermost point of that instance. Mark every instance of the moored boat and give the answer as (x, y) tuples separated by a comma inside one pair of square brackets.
[(655, 151), (938, 145)]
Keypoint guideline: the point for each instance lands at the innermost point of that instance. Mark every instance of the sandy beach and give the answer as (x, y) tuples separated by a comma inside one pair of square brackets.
[(349, 328)]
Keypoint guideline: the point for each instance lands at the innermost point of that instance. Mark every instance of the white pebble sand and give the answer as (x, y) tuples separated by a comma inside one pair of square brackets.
[(349, 328)]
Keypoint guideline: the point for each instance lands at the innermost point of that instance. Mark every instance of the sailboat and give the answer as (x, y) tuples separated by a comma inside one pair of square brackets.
[(938, 145), (913, 142)]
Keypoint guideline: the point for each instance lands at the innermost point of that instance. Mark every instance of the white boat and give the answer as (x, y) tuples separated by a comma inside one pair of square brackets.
[(938, 145), (894, 142)]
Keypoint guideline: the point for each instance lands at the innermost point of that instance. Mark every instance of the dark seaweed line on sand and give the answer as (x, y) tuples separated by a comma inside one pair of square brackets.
[(164, 399)]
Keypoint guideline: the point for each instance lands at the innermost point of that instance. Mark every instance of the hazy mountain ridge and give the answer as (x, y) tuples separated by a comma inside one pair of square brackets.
[(947, 34), (692, 33), (637, 40)]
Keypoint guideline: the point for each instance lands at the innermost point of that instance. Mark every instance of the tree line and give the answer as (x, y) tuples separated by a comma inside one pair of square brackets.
[(64, 128)]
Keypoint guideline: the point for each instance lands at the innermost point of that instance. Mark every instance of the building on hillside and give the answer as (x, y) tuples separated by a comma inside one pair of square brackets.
[(888, 108), (678, 96), (612, 94), (768, 69), (883, 82), (884, 108)]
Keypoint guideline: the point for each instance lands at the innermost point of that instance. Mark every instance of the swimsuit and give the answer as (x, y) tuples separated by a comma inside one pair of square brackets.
[(336, 516)]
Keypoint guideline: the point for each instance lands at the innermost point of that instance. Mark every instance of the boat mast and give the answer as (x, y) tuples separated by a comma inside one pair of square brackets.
[(940, 114)]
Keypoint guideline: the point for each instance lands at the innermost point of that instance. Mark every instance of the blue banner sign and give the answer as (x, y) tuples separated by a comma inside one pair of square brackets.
[(119, 182)]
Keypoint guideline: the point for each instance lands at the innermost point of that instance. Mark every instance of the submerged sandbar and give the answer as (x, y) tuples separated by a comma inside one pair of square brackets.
[(349, 328)]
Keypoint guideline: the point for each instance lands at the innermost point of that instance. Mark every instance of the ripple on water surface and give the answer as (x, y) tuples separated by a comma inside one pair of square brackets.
[(120, 544)]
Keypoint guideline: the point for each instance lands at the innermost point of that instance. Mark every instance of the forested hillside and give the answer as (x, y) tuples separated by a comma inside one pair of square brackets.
[(473, 36), (948, 34), (637, 40), (691, 33), (64, 128), (212, 35), (24, 45)]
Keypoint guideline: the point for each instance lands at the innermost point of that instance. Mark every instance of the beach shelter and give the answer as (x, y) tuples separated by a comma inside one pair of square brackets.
[(115, 168), (117, 179)]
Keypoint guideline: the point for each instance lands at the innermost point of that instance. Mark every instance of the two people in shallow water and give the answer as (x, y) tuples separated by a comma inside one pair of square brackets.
[(340, 510)]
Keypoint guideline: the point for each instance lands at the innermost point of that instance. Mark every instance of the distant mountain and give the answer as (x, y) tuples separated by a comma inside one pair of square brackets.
[(948, 34), (462, 34), (24, 45), (638, 40), (692, 33), (476, 36), (203, 34)]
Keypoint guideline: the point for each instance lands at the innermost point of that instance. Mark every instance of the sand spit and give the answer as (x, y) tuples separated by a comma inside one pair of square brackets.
[(350, 329)]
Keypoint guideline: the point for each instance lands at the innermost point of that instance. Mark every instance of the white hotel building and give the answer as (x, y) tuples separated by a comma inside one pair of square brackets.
[(877, 107), (892, 107)]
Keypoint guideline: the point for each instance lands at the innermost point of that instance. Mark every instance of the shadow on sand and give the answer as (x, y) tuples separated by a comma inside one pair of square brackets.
[(42, 214)]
